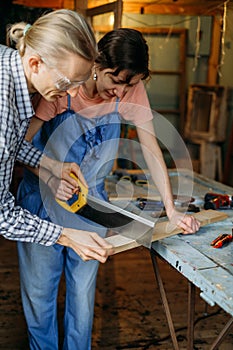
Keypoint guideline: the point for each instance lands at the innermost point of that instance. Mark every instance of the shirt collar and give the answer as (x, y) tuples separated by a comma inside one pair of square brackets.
[(21, 89)]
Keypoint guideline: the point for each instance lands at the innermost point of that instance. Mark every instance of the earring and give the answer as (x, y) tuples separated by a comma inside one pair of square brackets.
[(95, 76)]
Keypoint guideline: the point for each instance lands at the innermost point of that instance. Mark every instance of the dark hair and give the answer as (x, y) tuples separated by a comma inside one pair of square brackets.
[(124, 49)]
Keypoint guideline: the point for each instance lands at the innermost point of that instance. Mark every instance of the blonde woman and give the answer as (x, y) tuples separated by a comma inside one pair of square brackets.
[(54, 57)]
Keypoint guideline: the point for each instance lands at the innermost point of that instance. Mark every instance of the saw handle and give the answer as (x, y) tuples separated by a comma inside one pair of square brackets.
[(77, 201)]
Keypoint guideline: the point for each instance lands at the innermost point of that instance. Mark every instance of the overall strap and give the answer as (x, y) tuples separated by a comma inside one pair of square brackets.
[(68, 102), (117, 104)]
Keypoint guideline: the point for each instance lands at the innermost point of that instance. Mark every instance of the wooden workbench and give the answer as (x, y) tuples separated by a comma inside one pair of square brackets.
[(209, 269)]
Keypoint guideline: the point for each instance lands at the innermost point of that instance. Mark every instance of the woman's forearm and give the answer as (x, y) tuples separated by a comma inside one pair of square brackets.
[(156, 164), (44, 174)]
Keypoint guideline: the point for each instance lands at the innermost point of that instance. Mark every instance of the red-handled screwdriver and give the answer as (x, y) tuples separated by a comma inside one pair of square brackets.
[(221, 240)]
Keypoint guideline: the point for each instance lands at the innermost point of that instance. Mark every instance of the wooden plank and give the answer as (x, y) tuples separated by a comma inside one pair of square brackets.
[(208, 161), (163, 230)]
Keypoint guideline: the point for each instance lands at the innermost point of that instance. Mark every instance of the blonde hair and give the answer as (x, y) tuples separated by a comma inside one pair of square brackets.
[(14, 33), (55, 33)]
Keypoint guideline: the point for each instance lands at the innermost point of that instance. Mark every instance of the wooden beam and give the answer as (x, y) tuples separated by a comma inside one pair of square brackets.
[(118, 14), (173, 9), (168, 7), (115, 7), (80, 6), (99, 10), (55, 4), (212, 76), (163, 230), (181, 7)]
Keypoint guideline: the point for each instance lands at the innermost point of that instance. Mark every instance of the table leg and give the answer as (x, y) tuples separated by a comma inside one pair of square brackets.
[(191, 311), (222, 335), (164, 299)]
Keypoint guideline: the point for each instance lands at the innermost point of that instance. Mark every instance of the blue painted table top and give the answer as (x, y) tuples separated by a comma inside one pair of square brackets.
[(210, 269)]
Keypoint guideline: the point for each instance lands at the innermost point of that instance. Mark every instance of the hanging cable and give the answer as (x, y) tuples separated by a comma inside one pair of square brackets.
[(161, 46), (197, 44), (223, 39), (206, 12)]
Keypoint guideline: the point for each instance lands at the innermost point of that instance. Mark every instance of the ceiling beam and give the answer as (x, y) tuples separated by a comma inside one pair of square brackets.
[(165, 7), (179, 7)]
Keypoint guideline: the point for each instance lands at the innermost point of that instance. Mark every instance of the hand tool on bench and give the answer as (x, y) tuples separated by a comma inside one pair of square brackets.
[(119, 220), (218, 201), (221, 240)]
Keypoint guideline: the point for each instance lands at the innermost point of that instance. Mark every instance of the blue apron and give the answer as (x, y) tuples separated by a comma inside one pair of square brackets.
[(70, 137)]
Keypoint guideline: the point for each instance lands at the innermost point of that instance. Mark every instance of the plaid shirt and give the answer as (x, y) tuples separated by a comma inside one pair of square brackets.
[(15, 113)]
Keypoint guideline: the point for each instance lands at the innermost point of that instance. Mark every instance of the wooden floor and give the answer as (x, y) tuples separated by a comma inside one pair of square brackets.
[(128, 310)]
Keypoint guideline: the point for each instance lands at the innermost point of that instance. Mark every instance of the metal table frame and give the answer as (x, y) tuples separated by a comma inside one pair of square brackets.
[(191, 310)]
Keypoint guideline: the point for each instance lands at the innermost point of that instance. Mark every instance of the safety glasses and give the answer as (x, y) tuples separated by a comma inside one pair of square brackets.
[(61, 82)]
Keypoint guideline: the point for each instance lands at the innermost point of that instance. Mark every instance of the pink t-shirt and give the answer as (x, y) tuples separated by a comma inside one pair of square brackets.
[(133, 107)]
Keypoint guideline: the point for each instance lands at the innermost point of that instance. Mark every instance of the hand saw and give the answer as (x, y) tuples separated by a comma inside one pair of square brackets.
[(123, 221)]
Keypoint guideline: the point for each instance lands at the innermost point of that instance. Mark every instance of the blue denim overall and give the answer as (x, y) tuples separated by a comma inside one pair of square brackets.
[(92, 143)]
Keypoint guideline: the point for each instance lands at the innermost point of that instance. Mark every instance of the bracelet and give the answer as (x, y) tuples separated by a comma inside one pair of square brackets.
[(47, 183)]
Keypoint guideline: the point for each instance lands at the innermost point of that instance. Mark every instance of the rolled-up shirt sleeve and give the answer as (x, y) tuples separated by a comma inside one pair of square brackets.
[(29, 155), (19, 224)]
